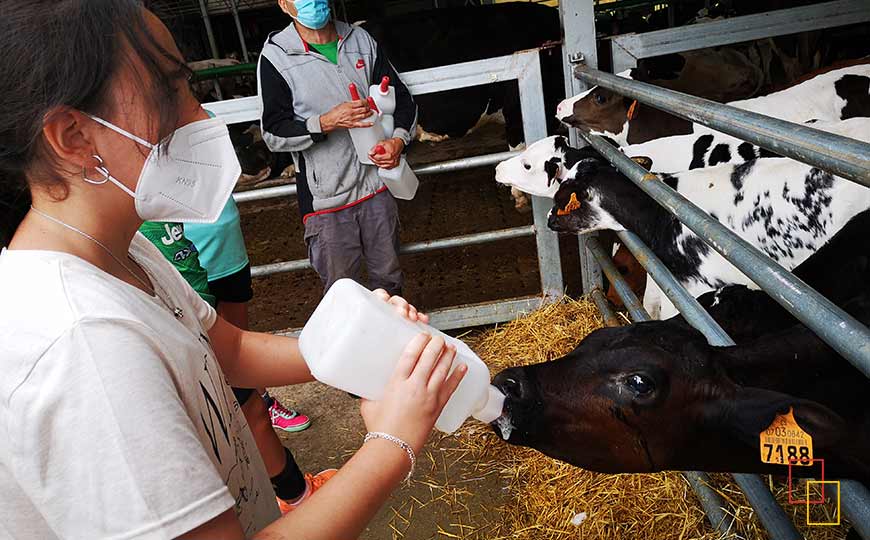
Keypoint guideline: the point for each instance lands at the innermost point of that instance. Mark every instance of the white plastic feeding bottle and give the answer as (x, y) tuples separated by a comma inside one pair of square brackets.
[(354, 340), (400, 180), (385, 98), (365, 139)]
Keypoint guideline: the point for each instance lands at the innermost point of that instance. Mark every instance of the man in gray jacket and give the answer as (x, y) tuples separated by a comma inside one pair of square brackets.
[(303, 75)]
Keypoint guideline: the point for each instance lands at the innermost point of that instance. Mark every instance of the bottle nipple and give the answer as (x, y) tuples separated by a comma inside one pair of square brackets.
[(354, 93), (493, 407)]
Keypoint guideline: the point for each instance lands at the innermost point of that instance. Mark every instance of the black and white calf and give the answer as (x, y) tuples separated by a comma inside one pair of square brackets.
[(784, 208)]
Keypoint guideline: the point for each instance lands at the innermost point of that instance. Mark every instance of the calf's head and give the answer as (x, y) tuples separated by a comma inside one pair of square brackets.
[(649, 397), (599, 110), (541, 166), (595, 196), (537, 170)]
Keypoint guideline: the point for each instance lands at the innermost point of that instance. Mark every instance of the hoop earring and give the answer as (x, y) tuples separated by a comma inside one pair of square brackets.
[(100, 169)]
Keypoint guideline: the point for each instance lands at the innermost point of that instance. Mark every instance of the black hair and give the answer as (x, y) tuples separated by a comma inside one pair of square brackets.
[(66, 53)]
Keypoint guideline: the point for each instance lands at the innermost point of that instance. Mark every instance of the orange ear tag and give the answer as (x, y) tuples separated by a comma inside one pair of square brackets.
[(573, 204), (785, 442), (632, 111)]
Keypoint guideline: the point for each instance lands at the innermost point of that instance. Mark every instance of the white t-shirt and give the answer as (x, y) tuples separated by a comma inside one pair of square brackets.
[(115, 418)]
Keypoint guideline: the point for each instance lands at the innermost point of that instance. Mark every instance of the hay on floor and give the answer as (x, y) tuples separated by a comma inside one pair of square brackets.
[(545, 499)]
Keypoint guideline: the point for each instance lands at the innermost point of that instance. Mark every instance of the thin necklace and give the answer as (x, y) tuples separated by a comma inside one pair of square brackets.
[(178, 312)]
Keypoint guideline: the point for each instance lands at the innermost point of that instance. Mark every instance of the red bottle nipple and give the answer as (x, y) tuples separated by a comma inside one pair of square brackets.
[(354, 93), (385, 85), (372, 105)]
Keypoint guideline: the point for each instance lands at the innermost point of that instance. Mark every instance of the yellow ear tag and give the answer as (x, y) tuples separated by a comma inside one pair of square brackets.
[(573, 204), (784, 442), (632, 111)]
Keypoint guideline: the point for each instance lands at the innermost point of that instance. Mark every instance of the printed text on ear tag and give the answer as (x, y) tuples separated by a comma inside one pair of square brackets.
[(573, 204), (784, 442)]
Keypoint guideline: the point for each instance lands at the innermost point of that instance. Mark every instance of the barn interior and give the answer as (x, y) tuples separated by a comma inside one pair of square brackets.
[(470, 489)]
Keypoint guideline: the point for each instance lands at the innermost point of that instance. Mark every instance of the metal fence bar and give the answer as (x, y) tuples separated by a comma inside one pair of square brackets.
[(462, 164), (265, 193), (674, 290), (629, 299), (408, 249), (432, 168), (627, 49), (839, 155), (836, 327), (607, 314), (713, 504), (856, 506)]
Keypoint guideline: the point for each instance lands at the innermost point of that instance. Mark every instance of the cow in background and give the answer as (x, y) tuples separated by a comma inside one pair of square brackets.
[(441, 37)]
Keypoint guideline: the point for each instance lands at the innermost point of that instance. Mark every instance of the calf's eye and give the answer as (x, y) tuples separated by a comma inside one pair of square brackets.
[(640, 384), (600, 99), (527, 166)]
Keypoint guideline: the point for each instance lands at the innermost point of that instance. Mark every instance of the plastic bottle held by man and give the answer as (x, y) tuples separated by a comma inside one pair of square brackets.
[(366, 138), (400, 180), (353, 342), (384, 96)]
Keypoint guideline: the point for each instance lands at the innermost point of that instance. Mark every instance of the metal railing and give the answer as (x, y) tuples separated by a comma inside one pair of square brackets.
[(849, 158), (525, 68), (627, 49)]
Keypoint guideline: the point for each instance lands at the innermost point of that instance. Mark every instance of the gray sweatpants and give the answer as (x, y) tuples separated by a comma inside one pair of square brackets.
[(339, 241)]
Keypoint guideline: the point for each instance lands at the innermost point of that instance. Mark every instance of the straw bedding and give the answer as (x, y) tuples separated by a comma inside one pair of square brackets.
[(539, 498)]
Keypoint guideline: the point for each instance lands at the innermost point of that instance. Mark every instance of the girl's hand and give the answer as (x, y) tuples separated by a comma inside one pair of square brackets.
[(417, 392), (402, 306)]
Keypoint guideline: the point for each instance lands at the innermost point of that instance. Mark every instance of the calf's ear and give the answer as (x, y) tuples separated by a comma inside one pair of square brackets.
[(553, 167), (750, 411)]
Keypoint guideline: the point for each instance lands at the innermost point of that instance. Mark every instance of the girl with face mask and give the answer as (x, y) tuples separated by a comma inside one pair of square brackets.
[(115, 403)]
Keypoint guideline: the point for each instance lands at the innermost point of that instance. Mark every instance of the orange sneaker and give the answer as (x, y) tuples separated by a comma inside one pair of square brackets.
[(313, 482)]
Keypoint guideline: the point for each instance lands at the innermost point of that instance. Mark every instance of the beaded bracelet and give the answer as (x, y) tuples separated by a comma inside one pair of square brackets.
[(402, 444)]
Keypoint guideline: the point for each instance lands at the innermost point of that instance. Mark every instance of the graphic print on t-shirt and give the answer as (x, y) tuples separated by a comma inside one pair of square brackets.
[(230, 449)]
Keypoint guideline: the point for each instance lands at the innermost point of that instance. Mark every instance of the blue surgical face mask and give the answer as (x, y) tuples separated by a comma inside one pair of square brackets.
[(312, 14)]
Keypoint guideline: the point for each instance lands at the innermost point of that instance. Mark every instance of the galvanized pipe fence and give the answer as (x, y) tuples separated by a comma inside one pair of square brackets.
[(849, 337), (525, 68)]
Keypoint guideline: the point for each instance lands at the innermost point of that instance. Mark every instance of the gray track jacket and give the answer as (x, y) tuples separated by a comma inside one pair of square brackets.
[(297, 85)]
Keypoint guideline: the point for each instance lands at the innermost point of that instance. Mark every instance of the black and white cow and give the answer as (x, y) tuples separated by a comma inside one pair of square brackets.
[(783, 207), (833, 95)]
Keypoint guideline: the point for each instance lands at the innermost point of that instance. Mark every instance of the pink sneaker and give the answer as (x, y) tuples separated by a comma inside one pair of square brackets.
[(287, 419)]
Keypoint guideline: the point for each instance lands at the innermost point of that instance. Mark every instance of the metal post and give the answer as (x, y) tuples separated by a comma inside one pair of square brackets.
[(603, 306), (203, 8), (578, 43), (534, 128), (837, 328), (629, 299), (235, 9), (836, 154)]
